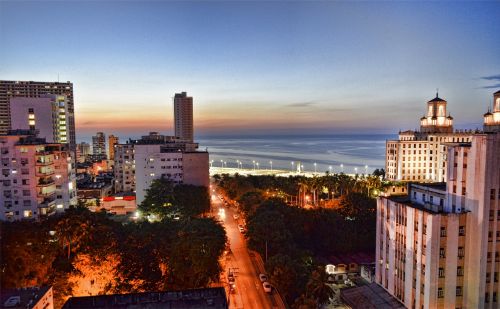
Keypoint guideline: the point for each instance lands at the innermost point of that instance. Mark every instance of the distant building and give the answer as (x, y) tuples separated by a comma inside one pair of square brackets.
[(82, 151), (118, 204), (99, 144), (27, 298), (47, 114), (186, 299), (31, 89), (439, 246), (420, 155), (38, 178), (140, 162), (183, 117), (112, 141), (492, 118)]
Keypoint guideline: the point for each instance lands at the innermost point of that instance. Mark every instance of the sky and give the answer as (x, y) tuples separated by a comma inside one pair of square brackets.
[(258, 67)]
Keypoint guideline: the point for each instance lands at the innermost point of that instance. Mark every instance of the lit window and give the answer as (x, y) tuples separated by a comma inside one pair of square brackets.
[(31, 122), (59, 206), (27, 213), (152, 174)]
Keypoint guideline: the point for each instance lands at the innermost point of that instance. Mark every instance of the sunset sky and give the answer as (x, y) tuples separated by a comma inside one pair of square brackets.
[(257, 67)]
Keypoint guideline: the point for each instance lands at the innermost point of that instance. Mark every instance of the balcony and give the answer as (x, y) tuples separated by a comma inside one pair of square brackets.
[(40, 172), (47, 191), (44, 182)]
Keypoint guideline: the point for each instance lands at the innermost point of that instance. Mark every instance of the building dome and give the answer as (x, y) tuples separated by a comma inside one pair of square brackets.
[(498, 92), (449, 117), (423, 118), (437, 99), (488, 114)]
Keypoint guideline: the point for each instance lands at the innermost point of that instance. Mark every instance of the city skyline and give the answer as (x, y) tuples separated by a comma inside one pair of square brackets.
[(304, 67)]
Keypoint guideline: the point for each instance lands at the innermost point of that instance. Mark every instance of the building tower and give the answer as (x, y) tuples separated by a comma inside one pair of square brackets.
[(492, 118), (183, 116), (31, 89), (47, 114), (99, 144), (436, 120), (112, 141)]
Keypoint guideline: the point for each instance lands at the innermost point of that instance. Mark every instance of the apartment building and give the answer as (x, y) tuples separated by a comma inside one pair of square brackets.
[(139, 162), (421, 155), (99, 144), (47, 114), (112, 141), (36, 89), (37, 177), (183, 117)]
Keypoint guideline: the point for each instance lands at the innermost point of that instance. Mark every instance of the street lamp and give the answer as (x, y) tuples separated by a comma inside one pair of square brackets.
[(355, 170), (253, 161), (292, 165), (342, 167), (330, 169), (315, 167), (257, 165), (222, 163), (366, 169), (271, 162), (211, 163)]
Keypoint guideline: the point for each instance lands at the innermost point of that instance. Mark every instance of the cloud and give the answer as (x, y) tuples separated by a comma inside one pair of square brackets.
[(301, 104), (492, 77), (491, 86)]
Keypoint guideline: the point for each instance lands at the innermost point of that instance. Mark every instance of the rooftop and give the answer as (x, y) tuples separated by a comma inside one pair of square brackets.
[(186, 299), (369, 296), (25, 298)]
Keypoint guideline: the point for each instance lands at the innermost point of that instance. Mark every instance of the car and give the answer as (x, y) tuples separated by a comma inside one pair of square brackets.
[(235, 216), (241, 228), (263, 278), (267, 287)]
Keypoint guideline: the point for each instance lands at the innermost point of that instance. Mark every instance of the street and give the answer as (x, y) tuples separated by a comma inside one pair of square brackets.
[(246, 266)]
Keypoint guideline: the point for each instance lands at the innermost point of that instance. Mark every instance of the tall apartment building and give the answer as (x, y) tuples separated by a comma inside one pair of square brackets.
[(82, 151), (439, 246), (124, 168), (33, 89), (37, 177), (47, 114), (420, 155), (112, 141), (139, 162), (492, 118), (183, 117), (99, 144)]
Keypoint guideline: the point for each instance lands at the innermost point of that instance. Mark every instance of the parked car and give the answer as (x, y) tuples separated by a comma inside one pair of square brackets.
[(241, 228), (235, 216), (267, 287), (263, 278)]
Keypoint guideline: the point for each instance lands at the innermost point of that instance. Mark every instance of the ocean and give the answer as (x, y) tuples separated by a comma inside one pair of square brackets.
[(353, 152)]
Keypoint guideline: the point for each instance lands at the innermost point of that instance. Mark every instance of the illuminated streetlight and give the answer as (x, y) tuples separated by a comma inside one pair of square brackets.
[(366, 169), (292, 165), (342, 167), (221, 163), (315, 167), (330, 168), (257, 165), (253, 161), (271, 162), (355, 170)]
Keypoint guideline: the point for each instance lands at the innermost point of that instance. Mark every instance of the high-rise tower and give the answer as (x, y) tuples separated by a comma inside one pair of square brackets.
[(31, 89), (183, 116)]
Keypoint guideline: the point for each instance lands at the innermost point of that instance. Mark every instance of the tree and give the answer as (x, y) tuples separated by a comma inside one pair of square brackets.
[(317, 288), (250, 201), (158, 199), (196, 249), (191, 200)]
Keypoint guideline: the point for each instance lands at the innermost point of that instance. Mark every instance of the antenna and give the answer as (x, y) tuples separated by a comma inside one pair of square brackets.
[(437, 92)]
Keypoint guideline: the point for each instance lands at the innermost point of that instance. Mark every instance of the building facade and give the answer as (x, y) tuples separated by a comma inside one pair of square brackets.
[(99, 144), (47, 114), (439, 245), (421, 155), (82, 151), (33, 89), (139, 162), (38, 178), (183, 117), (112, 141)]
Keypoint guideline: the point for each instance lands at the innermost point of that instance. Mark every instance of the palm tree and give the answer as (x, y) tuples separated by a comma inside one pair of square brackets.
[(317, 288)]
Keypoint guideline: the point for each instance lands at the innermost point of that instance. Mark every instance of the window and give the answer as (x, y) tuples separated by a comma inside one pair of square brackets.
[(460, 271), (440, 293), (442, 253), (443, 231), (26, 192), (441, 272), (460, 252), (492, 194), (459, 291), (461, 231)]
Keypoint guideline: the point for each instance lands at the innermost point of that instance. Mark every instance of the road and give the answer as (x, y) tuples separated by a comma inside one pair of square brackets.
[(249, 292)]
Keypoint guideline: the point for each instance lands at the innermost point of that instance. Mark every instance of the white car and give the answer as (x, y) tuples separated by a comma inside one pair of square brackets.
[(235, 216), (263, 278), (267, 287), (241, 228)]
